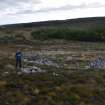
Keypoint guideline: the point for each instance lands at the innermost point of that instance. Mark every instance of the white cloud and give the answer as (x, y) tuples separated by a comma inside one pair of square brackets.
[(39, 10)]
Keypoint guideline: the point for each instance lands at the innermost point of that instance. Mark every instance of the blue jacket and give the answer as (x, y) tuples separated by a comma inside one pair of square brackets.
[(18, 55)]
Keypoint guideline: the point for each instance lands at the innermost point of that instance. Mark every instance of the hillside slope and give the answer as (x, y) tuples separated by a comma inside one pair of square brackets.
[(25, 30)]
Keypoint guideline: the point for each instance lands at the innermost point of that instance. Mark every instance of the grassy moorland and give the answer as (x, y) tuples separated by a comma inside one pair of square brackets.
[(69, 84)]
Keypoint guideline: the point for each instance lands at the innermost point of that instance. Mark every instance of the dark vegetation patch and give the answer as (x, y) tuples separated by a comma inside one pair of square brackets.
[(69, 34)]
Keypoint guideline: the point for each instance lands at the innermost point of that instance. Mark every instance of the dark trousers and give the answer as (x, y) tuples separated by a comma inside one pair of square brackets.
[(18, 63)]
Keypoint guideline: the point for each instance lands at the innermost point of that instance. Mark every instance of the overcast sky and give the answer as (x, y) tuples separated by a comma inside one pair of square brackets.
[(21, 11)]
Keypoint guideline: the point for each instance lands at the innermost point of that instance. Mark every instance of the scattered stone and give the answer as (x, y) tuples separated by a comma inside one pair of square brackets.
[(9, 66), (36, 91), (31, 70), (87, 67), (5, 74), (19, 73), (55, 74)]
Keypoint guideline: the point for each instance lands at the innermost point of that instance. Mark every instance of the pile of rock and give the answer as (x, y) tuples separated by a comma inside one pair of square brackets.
[(98, 63), (32, 70), (39, 59)]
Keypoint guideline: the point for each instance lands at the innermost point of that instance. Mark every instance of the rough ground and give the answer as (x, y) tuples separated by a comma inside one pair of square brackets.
[(53, 73)]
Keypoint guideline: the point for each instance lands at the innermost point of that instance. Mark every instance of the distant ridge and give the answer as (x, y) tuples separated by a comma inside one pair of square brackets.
[(91, 22)]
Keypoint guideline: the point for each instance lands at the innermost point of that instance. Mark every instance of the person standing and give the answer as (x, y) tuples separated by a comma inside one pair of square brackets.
[(18, 57)]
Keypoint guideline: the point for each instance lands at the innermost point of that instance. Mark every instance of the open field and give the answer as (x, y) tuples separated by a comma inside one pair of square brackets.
[(63, 77)]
